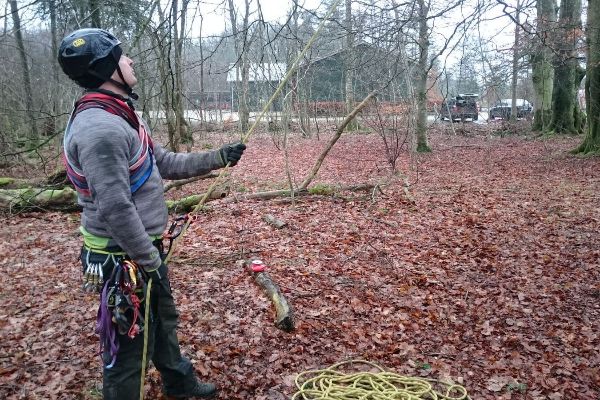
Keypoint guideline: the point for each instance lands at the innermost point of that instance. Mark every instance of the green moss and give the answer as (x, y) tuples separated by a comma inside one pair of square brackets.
[(6, 181), (321, 189), (423, 148)]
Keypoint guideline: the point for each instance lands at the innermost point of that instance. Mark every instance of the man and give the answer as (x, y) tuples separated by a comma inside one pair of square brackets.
[(117, 171)]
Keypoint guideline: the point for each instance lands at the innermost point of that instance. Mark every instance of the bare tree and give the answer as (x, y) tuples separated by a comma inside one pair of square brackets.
[(94, 10), (422, 72), (349, 64), (241, 43), (181, 125), (33, 131)]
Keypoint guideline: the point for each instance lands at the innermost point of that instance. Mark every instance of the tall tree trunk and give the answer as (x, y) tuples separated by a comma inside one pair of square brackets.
[(541, 61), (565, 109), (292, 53), (349, 66), (50, 124), (94, 6), (421, 86), (244, 107), (181, 126), (515, 64), (202, 96), (54, 44), (33, 132), (241, 44), (591, 143), (163, 48)]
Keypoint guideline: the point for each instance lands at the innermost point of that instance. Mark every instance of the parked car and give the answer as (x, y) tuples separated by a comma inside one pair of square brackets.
[(502, 109), (461, 107)]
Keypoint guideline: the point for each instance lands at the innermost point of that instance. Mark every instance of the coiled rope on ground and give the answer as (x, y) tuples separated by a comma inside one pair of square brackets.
[(332, 384)]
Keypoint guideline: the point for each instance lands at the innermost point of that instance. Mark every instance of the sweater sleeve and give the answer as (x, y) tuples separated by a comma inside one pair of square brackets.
[(104, 160), (186, 165)]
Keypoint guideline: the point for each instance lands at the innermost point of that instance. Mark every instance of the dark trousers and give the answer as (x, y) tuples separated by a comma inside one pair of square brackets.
[(122, 380)]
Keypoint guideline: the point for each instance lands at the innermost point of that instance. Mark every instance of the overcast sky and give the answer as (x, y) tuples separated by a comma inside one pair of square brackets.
[(215, 16)]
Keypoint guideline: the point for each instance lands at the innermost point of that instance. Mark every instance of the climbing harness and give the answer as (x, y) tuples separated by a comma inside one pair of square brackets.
[(331, 383), (119, 311), (140, 163), (93, 277)]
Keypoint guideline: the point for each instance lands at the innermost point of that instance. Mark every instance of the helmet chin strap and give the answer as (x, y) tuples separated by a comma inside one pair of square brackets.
[(123, 84)]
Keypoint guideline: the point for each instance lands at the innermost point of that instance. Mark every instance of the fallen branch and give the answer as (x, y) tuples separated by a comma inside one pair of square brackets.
[(267, 195), (188, 203), (43, 199), (15, 200), (284, 318), (57, 180), (274, 194), (182, 182)]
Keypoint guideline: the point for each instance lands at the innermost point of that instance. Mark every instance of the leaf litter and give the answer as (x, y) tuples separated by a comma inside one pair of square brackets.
[(490, 279)]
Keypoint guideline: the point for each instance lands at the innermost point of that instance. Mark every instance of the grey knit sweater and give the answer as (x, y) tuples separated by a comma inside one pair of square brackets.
[(101, 145)]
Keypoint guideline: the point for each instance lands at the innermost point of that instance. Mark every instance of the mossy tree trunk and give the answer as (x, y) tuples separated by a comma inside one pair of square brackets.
[(541, 61), (421, 88), (591, 143), (566, 116)]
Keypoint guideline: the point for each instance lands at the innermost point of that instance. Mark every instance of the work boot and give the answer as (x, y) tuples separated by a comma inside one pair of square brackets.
[(198, 390)]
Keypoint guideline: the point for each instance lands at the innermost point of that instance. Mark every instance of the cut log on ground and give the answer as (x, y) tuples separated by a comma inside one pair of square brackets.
[(271, 220), (284, 317)]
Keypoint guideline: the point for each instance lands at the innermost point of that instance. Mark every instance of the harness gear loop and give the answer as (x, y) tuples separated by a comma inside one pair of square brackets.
[(93, 277), (176, 228), (119, 311)]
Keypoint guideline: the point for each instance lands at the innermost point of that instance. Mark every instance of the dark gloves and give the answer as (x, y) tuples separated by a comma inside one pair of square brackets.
[(159, 273), (231, 153)]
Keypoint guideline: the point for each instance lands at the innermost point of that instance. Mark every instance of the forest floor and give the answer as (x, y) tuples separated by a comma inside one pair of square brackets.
[(490, 278)]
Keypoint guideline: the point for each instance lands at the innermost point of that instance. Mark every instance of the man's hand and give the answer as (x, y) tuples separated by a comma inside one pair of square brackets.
[(159, 273), (231, 153)]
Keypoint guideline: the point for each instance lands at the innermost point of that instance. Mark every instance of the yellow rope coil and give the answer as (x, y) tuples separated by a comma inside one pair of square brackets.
[(333, 384)]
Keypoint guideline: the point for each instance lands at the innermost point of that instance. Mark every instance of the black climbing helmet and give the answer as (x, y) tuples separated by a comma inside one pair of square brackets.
[(90, 56)]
